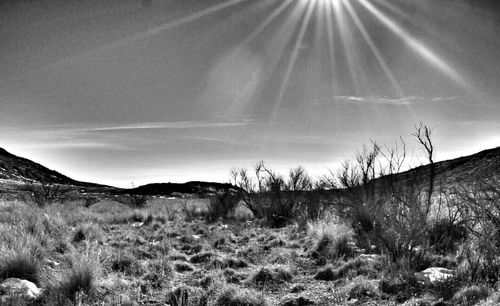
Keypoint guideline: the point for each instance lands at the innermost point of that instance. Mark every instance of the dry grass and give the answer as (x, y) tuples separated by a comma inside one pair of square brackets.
[(110, 253)]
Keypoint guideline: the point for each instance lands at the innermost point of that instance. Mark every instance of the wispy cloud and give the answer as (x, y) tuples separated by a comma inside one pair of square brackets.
[(102, 136), (89, 145), (409, 100), (143, 126)]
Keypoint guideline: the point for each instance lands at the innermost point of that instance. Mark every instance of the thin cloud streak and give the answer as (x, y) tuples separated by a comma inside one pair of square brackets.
[(387, 101), (133, 126)]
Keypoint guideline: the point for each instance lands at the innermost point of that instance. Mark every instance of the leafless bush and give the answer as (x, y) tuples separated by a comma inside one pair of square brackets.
[(89, 201), (388, 208), (479, 205), (222, 204), (46, 194), (277, 198)]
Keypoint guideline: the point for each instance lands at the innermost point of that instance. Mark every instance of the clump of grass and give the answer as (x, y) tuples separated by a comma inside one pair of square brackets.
[(235, 263), (327, 274), (219, 241), (21, 265), (471, 295), (126, 263), (296, 301), (358, 266), (270, 276), (133, 200), (187, 295), (62, 246), (79, 235), (201, 257), (362, 288), (183, 267), (233, 277), (141, 216), (88, 231), (191, 249), (81, 279), (177, 257), (232, 296), (333, 238), (205, 282)]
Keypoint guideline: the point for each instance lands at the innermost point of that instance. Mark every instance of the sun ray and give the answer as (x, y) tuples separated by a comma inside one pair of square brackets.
[(424, 26), (417, 46), (373, 47), (331, 43), (268, 21), (293, 58), (348, 45), (146, 34)]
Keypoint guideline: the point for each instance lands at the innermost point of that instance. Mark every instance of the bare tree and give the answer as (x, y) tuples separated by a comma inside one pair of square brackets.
[(423, 134)]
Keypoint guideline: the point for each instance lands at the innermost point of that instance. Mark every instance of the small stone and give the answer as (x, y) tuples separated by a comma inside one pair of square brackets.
[(436, 274)]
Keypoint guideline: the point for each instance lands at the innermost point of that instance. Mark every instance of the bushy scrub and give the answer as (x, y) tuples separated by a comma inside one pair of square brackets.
[(333, 238)]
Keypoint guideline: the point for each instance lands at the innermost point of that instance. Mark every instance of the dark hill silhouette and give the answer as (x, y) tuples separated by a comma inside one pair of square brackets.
[(15, 170), (19, 170), (166, 189)]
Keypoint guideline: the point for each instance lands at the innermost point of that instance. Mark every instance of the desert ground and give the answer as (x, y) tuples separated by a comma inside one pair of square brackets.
[(169, 252)]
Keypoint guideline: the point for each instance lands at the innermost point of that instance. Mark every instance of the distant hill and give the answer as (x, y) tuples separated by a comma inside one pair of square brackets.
[(17, 170), (167, 189)]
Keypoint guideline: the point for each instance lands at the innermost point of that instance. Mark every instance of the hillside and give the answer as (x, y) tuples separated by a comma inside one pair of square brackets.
[(455, 172), (17, 170)]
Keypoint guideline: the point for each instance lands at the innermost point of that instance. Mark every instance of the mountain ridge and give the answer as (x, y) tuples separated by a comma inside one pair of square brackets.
[(464, 169)]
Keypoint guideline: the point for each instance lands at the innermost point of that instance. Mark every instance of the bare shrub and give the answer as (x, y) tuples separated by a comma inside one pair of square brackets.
[(46, 194), (279, 199), (222, 205), (479, 205), (89, 201)]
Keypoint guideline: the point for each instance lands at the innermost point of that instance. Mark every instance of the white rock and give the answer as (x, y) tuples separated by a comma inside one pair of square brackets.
[(436, 274), (371, 257), (13, 289), (51, 263), (137, 224)]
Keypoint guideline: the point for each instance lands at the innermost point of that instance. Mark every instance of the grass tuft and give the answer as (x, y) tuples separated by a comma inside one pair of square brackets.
[(20, 265), (237, 297)]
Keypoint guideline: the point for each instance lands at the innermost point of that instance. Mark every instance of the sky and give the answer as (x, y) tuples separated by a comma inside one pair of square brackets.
[(129, 92)]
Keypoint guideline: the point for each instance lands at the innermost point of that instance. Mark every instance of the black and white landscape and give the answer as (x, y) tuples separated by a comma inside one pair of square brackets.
[(249, 152)]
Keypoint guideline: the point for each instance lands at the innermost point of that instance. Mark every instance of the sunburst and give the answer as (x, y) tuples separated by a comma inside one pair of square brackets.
[(291, 20)]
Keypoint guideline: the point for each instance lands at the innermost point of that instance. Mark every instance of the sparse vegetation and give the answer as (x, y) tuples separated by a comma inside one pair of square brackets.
[(364, 234)]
